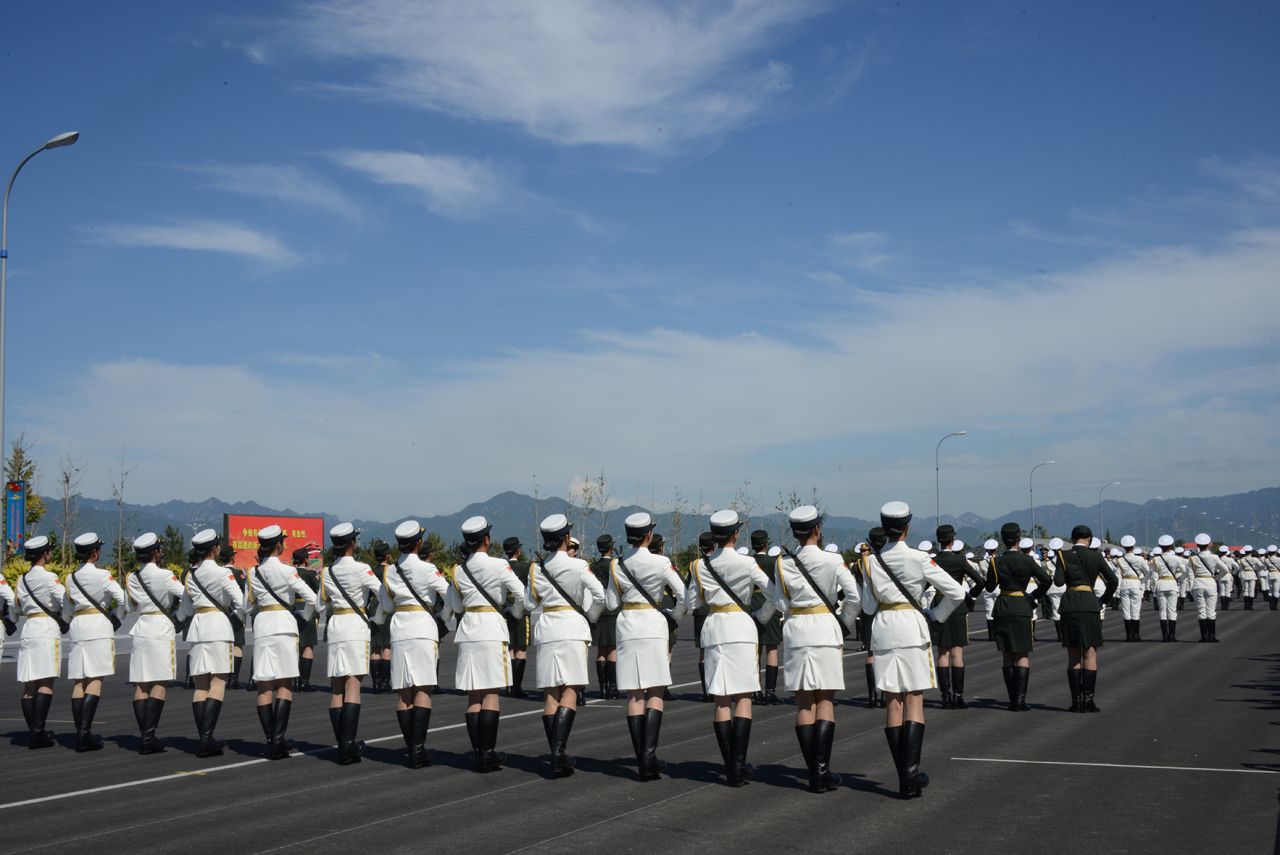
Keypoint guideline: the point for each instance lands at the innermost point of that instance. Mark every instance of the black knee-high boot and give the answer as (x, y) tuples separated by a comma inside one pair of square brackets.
[(86, 739), (741, 742), (190, 682), (152, 708), (944, 686), (602, 677), (913, 780), (957, 688), (335, 721), (635, 727), (702, 678), (561, 763), (236, 662), (349, 748), (611, 676), (210, 709), (1073, 683), (40, 737), (804, 735), (1088, 684), (280, 744), (871, 685), (652, 729), (893, 736), (1021, 676), (1009, 687), (771, 684), (724, 739), (824, 735), (421, 724), (488, 727), (473, 733), (517, 677), (404, 718), (264, 719)]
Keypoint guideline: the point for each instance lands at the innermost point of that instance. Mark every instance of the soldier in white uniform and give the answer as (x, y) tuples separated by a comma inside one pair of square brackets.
[(345, 586), (1248, 576), (273, 586), (1273, 576), (900, 637), (484, 589), (91, 605), (1133, 572), (724, 582), (991, 548), (1206, 567), (1170, 571), (1226, 579), (211, 598), (567, 597), (8, 607), (39, 596), (1054, 595), (805, 589), (154, 592), (636, 587), (413, 592)]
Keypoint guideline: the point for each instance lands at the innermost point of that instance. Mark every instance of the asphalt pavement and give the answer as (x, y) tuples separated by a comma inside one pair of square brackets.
[(1184, 757)]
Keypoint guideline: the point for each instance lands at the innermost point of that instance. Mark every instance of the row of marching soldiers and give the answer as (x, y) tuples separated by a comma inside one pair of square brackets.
[(818, 596)]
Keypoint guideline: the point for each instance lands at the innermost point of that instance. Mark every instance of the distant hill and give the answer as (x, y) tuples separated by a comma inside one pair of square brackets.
[(518, 514)]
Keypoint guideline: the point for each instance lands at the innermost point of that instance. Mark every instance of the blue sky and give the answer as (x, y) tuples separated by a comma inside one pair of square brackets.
[(391, 257)]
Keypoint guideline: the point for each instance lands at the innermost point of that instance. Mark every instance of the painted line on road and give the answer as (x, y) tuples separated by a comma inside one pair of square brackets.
[(1116, 765)]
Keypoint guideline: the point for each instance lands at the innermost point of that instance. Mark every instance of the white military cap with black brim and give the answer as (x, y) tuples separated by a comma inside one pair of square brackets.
[(639, 524), (725, 522), (804, 520), (204, 537), (408, 532), (145, 543), (35, 547), (895, 516), (87, 542), (554, 528), (343, 534), (1056, 544), (270, 536), (475, 530), (1203, 539), (1026, 543), (991, 544), (1128, 541), (1165, 540)]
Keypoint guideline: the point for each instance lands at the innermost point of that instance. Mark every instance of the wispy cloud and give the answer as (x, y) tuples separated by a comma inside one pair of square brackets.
[(648, 75), (458, 188), (1257, 176), (200, 236), (865, 251), (282, 182)]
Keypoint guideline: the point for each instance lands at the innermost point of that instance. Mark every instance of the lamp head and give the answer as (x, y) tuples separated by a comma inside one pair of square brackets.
[(69, 138)]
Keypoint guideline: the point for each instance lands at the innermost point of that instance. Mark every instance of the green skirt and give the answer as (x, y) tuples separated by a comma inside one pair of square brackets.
[(379, 635), (518, 632), (955, 630), (1011, 625), (308, 634), (1081, 619), (605, 631)]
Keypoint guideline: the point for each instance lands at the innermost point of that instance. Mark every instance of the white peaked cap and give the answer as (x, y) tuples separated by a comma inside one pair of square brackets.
[(1128, 541), (957, 545), (1179, 551), (270, 532), (725, 519), (34, 543), (475, 525), (208, 535), (775, 551), (1116, 552), (1137, 550), (89, 538), (1095, 543), (1203, 539), (554, 523), (925, 545), (803, 514), (573, 541), (969, 555), (991, 545), (145, 540), (895, 510), (1157, 551), (831, 547), (408, 530), (1026, 543), (342, 530), (641, 520), (1165, 540), (742, 550), (1246, 548), (1223, 549), (1056, 544)]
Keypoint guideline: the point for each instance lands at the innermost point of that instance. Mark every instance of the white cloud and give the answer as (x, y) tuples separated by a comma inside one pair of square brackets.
[(458, 188), (1257, 176), (283, 182), (200, 236), (865, 251), (1119, 370), (642, 74)]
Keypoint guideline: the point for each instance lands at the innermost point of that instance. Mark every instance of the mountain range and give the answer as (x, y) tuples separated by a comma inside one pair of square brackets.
[(1252, 517)]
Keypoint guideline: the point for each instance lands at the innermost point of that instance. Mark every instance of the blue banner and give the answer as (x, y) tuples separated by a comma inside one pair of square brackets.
[(15, 513)]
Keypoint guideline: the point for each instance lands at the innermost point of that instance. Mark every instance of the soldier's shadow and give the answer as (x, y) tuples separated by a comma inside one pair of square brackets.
[(797, 778), (696, 770)]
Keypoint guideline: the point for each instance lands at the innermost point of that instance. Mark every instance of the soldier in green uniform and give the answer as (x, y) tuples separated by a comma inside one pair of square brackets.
[(518, 628), (953, 635), (706, 545), (604, 632), (771, 631), (1011, 621), (380, 634), (226, 555), (1079, 569), (876, 540), (308, 632)]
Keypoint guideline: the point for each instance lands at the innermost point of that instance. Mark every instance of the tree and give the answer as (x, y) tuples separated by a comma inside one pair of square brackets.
[(1040, 532), (743, 502), (679, 507), (21, 466), (118, 481), (69, 473), (591, 496), (175, 548)]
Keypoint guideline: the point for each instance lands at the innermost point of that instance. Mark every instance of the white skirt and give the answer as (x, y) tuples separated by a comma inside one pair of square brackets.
[(732, 668), (88, 660), (414, 662), (560, 663), (482, 665), (813, 669), (39, 658), (904, 669), (211, 657), (642, 664), (348, 658), (275, 657), (152, 660)]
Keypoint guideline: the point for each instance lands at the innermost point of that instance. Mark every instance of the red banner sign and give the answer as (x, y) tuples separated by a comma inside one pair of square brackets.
[(241, 531)]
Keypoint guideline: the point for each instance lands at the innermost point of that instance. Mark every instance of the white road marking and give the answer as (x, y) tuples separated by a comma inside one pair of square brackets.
[(1116, 765)]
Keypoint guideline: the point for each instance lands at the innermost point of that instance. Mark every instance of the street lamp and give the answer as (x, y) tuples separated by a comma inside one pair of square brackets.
[(59, 141), (1031, 492), (1102, 530), (1146, 519), (937, 473)]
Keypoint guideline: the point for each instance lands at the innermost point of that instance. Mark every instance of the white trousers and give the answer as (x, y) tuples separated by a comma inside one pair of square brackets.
[(1206, 596), (1247, 587), (1131, 602), (1273, 586), (1224, 587), (1167, 601)]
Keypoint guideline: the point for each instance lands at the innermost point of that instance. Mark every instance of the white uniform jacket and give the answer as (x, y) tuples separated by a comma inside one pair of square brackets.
[(360, 583), (207, 622), (479, 621), (1133, 570), (1170, 571), (905, 627), (44, 585), (726, 623), (8, 604), (165, 587), (559, 621), (638, 619), (808, 623), (1248, 569), (1206, 566), (87, 623), (398, 604), (270, 616)]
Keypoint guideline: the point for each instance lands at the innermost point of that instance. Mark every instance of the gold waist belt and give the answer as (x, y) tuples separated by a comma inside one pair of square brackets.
[(276, 608), (810, 610), (1013, 593), (84, 612), (410, 608), (546, 609), (1166, 578), (342, 611), (719, 610), (896, 607), (207, 610), (481, 609), (633, 606), (1084, 588)]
